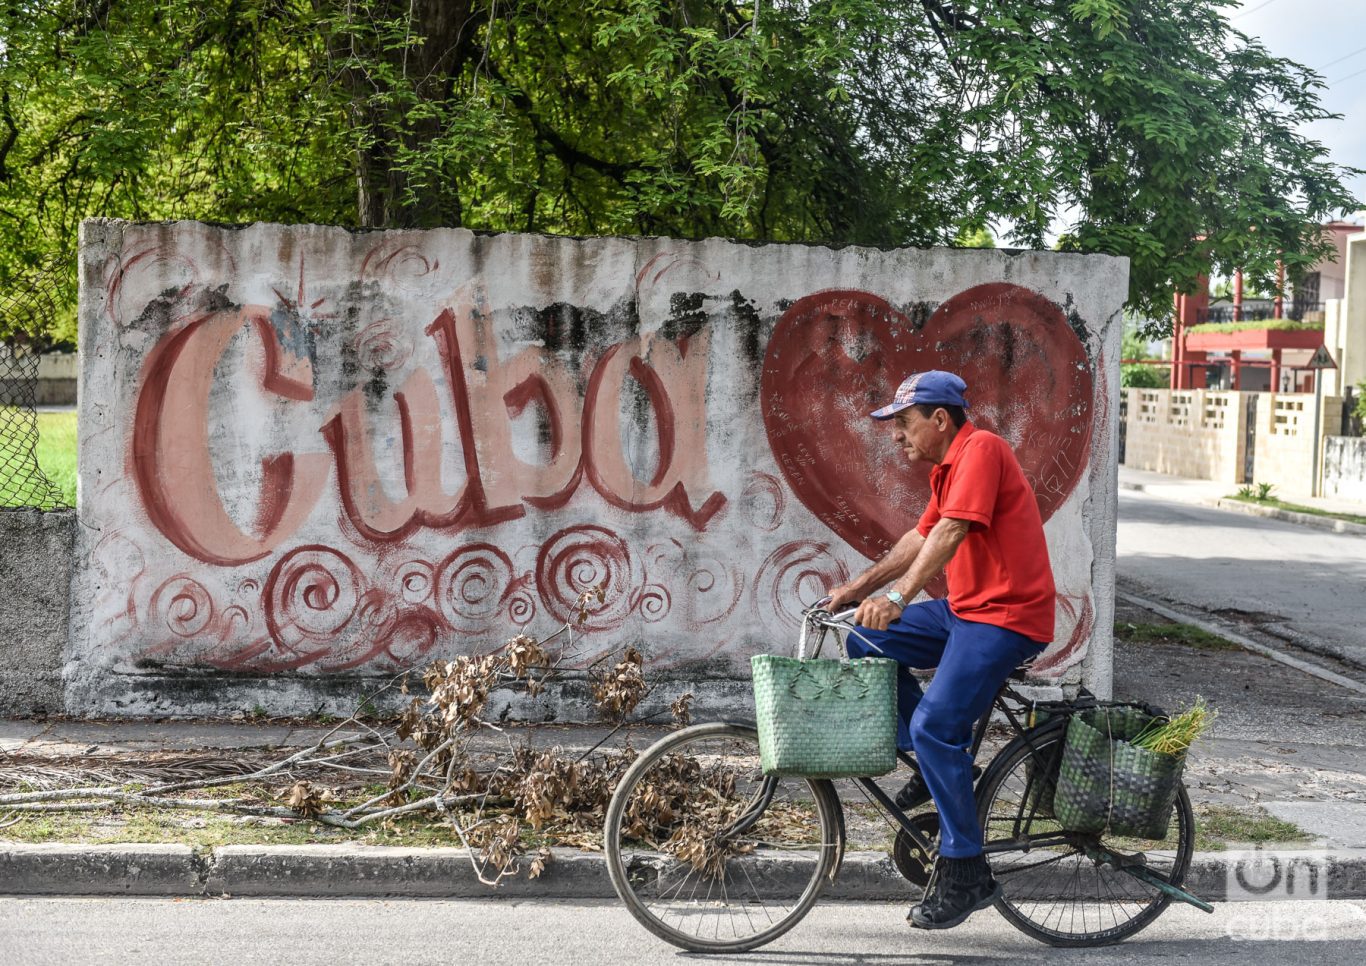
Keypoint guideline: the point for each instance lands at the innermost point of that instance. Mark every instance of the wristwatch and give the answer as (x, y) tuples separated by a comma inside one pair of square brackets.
[(895, 597)]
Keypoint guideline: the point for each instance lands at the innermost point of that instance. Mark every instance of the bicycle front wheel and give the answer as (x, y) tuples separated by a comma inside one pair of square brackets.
[(1063, 888), (710, 855)]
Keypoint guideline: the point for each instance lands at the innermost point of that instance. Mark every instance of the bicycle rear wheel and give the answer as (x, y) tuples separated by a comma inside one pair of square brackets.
[(1056, 885), (707, 853)]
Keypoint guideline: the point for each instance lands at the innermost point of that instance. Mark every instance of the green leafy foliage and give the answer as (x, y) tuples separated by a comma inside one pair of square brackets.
[(1223, 289), (1152, 128), (1138, 375), (1279, 325), (975, 237)]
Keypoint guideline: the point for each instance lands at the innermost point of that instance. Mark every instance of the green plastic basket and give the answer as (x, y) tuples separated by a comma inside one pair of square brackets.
[(1107, 785), (825, 718)]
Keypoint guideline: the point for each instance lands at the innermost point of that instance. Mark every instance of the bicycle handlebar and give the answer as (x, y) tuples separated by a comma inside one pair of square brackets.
[(818, 615)]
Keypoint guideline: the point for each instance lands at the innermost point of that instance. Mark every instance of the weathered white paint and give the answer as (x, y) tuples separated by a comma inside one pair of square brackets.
[(707, 557), (1344, 468)]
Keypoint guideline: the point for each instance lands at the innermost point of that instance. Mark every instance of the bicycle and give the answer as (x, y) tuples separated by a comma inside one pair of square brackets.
[(711, 855)]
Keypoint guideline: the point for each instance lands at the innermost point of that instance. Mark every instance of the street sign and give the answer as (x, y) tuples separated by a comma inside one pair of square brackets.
[(1322, 360)]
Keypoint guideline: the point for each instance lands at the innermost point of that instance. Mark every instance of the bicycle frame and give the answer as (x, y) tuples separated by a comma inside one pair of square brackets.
[(979, 733), (824, 621)]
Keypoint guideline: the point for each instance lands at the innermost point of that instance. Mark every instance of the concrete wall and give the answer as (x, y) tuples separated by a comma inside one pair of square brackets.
[(55, 382), (1344, 468), (1203, 435), (1193, 433), (1286, 448), (57, 374), (35, 582), (1345, 323), (1333, 271), (311, 456)]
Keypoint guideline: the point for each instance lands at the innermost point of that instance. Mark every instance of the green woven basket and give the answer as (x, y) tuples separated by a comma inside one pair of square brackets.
[(1107, 785), (1041, 775), (825, 718)]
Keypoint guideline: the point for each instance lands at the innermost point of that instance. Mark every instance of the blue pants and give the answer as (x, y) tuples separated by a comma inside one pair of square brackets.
[(973, 660)]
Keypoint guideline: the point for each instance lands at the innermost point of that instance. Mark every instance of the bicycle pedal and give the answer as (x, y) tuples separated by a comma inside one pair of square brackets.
[(1121, 861)]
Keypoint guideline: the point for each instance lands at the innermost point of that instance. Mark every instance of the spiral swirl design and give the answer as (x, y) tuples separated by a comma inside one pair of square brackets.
[(374, 610), (415, 580), (653, 603), (404, 267), (230, 616), (410, 638), (521, 607), (764, 501), (472, 585), (578, 559), (183, 605), (796, 574), (311, 595), (142, 276), (382, 345), (711, 587), (714, 590)]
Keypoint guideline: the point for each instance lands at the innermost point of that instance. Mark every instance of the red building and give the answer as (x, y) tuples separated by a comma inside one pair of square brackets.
[(1219, 343)]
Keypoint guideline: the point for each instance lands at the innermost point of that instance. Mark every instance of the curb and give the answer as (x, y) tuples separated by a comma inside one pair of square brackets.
[(1220, 629), (366, 871), (1254, 510), (1291, 516)]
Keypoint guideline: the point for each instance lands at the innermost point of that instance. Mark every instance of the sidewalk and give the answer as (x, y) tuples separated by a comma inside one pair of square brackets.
[(1309, 772), (1286, 746), (1211, 494)]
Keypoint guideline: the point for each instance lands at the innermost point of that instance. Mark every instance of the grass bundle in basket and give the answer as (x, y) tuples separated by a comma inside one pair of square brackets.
[(1173, 735)]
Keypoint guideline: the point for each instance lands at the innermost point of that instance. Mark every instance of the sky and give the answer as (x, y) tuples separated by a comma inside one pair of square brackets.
[(1329, 36)]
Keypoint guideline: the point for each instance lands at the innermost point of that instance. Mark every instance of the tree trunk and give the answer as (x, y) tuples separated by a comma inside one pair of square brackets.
[(444, 44)]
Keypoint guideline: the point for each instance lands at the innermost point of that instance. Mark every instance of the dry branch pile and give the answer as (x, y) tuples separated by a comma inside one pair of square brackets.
[(434, 761)]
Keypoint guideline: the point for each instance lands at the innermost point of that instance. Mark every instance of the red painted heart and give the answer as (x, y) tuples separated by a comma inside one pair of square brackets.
[(835, 356)]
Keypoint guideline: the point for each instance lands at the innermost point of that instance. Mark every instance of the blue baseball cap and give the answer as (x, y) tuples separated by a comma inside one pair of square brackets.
[(935, 387)]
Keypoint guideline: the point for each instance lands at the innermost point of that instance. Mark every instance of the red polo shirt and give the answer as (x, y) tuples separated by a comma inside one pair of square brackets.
[(1000, 574)]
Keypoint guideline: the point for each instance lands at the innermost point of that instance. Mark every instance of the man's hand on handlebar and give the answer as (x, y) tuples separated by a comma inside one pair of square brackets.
[(876, 613), (842, 596)]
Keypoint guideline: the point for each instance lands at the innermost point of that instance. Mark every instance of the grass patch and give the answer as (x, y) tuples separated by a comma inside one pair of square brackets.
[(139, 824), (1278, 325), (207, 830), (1271, 501), (1219, 826), (1185, 635), (56, 452)]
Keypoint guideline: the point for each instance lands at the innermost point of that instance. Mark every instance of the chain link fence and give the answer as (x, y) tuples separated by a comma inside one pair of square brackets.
[(28, 308)]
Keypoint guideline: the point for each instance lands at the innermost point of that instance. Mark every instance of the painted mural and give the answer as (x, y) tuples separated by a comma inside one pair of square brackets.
[(310, 451)]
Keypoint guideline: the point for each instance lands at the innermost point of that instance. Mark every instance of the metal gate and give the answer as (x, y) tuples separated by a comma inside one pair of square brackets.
[(1250, 437)]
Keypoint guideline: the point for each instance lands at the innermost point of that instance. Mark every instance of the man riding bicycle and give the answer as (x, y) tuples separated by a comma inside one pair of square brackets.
[(983, 529)]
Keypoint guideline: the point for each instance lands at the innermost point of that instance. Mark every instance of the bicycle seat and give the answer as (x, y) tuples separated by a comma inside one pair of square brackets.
[(1022, 673)]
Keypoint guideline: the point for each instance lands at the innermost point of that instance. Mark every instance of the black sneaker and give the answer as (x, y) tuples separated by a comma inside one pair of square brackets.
[(962, 887), (914, 793)]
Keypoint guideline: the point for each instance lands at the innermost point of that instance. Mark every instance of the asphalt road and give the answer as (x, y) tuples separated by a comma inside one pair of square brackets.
[(1292, 583), (492, 933)]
